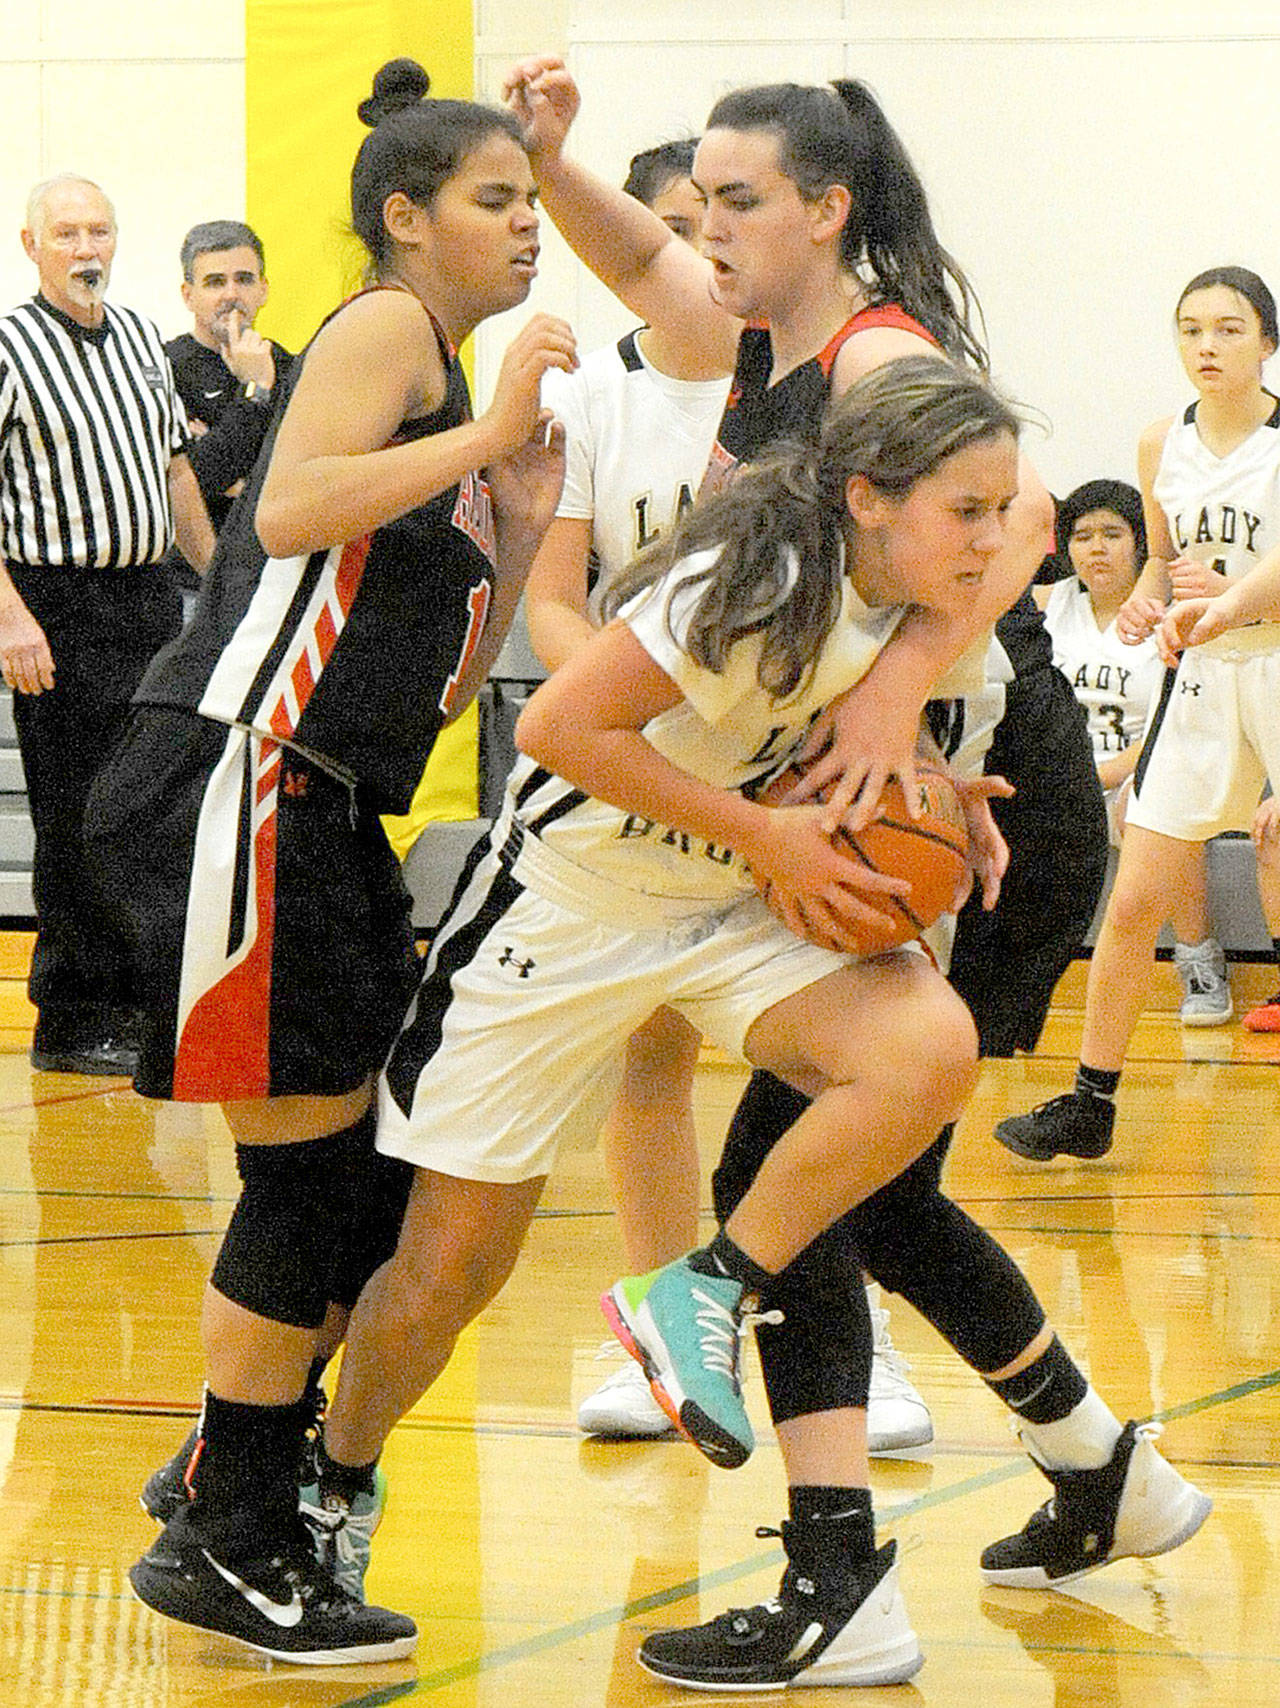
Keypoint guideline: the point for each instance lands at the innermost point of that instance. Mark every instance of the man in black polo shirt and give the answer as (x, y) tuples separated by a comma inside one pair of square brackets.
[(226, 372), (94, 483)]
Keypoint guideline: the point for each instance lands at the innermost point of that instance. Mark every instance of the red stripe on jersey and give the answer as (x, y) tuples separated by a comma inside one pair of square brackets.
[(288, 709), (303, 681), (224, 1052)]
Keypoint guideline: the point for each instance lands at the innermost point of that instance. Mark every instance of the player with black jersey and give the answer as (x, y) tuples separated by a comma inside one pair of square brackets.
[(814, 213), (238, 824)]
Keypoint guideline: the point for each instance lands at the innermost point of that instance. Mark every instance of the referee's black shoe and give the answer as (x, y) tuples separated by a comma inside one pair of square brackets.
[(1075, 1124), (271, 1595), (98, 1056)]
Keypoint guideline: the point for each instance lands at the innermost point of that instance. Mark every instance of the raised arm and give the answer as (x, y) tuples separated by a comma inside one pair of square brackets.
[(659, 277)]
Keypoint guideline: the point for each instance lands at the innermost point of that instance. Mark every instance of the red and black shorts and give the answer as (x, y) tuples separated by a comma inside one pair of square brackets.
[(265, 909)]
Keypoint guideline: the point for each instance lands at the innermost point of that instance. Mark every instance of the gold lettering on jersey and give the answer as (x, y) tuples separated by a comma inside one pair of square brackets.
[(473, 515)]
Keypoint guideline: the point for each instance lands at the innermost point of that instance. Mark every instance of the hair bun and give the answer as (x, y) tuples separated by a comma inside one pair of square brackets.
[(399, 84)]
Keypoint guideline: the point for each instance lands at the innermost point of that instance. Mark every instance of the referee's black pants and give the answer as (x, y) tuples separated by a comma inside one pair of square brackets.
[(103, 627)]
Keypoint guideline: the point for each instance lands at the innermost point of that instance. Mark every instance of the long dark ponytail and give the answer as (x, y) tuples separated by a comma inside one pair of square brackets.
[(838, 134)]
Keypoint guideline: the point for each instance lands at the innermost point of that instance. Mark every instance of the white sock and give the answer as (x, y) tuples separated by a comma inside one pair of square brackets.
[(1083, 1440)]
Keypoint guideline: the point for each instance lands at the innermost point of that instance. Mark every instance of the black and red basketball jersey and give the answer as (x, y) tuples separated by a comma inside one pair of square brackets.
[(350, 653), (757, 413)]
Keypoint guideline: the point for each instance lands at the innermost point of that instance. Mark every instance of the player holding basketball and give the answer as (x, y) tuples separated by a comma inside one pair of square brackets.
[(805, 188), (1211, 492), (609, 886)]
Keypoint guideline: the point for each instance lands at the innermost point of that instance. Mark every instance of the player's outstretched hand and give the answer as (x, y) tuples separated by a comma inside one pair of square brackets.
[(1191, 622), (1192, 579), (525, 484), (545, 342), (863, 739), (988, 850), (545, 99)]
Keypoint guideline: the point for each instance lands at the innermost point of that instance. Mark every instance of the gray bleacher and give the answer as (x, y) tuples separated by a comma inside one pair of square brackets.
[(16, 839)]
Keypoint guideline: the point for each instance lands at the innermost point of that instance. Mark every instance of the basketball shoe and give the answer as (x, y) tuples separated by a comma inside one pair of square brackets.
[(684, 1327), (818, 1630), (1074, 1124), (1265, 1017), (1206, 994), (1134, 1506), (623, 1408), (272, 1596), (897, 1418), (343, 1531)]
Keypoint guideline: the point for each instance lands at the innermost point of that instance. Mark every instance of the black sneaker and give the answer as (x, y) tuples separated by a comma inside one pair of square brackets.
[(281, 1601), (1135, 1506), (858, 1634), (1070, 1125), (96, 1056), (166, 1490)]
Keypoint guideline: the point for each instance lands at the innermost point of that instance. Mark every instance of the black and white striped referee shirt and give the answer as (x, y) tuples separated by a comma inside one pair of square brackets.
[(89, 420)]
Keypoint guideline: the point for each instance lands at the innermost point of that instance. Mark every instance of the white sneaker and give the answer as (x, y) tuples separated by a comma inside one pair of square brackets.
[(897, 1418), (1206, 994), (622, 1407), (1133, 1507)]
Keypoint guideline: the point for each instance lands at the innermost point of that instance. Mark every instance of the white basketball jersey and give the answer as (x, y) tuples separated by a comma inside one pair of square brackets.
[(1223, 510), (1116, 684), (636, 448)]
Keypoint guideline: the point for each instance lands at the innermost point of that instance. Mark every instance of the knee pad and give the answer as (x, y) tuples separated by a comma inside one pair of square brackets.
[(292, 1216), (379, 1190), (767, 1108), (953, 1272)]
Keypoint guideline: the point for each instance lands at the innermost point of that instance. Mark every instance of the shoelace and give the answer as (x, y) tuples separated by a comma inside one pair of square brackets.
[(722, 1329), (1199, 980)]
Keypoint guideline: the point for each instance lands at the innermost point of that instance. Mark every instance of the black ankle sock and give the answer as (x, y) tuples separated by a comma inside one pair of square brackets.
[(247, 1456), (723, 1257), (344, 1481), (1095, 1082), (831, 1529), (1045, 1391)]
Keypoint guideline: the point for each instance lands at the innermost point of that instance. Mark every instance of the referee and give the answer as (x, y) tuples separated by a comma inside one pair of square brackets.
[(94, 480)]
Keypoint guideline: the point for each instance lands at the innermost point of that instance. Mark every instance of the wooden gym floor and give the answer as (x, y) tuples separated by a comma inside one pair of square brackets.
[(535, 1561)]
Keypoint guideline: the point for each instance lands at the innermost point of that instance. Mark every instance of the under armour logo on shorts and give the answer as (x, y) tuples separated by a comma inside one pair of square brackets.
[(1190, 687), (509, 958)]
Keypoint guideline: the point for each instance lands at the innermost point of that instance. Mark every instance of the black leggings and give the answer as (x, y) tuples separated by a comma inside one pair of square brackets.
[(908, 1236)]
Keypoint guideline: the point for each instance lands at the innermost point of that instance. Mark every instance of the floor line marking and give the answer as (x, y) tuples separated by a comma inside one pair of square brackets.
[(592, 1623)]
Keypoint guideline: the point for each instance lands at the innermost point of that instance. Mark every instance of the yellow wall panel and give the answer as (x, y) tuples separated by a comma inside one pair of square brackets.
[(308, 64)]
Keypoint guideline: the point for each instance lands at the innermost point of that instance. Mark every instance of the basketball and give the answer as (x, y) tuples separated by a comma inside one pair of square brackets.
[(931, 852)]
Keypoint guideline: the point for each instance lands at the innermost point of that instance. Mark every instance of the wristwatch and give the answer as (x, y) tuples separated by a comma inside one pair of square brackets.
[(252, 392)]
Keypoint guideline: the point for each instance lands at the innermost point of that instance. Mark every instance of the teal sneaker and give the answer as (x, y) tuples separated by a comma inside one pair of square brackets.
[(684, 1327), (344, 1534)]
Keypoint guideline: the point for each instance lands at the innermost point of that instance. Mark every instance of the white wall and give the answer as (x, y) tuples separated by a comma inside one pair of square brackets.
[(1083, 157), (144, 96)]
